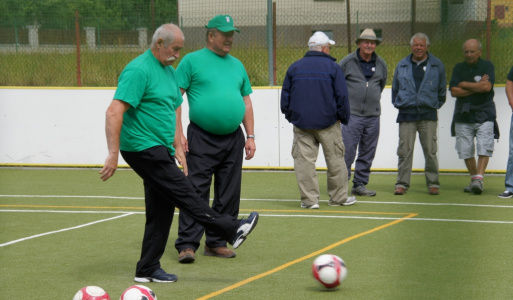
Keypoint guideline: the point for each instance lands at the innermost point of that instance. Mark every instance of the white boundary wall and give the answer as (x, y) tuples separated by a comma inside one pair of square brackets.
[(65, 126)]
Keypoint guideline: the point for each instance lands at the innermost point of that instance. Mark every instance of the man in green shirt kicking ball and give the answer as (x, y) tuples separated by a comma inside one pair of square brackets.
[(140, 124)]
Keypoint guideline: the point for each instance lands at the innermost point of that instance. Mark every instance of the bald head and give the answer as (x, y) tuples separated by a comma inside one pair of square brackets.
[(472, 51)]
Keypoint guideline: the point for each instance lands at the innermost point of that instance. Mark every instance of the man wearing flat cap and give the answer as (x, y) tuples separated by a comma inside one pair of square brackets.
[(314, 100), (218, 90), (366, 77)]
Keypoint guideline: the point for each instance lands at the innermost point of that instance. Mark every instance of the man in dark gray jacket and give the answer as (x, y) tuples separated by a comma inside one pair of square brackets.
[(366, 76)]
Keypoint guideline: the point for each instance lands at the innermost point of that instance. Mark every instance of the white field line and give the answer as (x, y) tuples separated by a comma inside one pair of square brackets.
[(71, 197), (124, 214), (64, 229), (262, 215)]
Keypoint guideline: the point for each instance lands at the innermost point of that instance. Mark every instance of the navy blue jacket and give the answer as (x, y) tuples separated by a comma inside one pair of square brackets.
[(314, 92)]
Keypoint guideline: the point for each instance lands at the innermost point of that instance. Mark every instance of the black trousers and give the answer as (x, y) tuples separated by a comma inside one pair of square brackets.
[(221, 157), (166, 187)]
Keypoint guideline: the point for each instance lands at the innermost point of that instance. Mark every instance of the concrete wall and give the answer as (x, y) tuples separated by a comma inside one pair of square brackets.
[(65, 126)]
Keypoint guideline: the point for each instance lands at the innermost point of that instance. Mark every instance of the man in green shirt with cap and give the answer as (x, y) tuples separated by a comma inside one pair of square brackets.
[(218, 90)]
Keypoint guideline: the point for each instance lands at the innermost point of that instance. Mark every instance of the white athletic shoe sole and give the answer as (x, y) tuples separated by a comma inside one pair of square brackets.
[(245, 229)]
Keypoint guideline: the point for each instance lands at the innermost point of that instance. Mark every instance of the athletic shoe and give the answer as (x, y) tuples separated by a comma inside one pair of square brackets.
[(245, 228), (361, 190), (477, 186), (506, 195), (186, 256), (222, 252), (158, 276), (349, 201), (313, 206), (468, 188)]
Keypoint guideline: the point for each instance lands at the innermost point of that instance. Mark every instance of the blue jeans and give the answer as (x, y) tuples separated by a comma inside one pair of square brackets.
[(360, 134), (509, 169)]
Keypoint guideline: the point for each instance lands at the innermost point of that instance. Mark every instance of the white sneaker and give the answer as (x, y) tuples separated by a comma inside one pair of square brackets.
[(313, 206), (245, 228), (349, 201)]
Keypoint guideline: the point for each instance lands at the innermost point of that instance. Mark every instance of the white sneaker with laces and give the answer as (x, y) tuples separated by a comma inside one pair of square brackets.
[(245, 228), (313, 206), (349, 201)]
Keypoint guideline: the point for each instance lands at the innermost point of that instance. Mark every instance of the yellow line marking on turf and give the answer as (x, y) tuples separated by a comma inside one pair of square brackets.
[(260, 210), (246, 281)]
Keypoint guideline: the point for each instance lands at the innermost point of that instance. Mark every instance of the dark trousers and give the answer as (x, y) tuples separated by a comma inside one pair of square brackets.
[(362, 134), (218, 156), (166, 187)]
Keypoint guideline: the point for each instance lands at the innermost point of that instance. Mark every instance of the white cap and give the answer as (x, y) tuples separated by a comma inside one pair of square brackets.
[(320, 38)]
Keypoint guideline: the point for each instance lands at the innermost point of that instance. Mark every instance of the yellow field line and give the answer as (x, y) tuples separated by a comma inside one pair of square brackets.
[(259, 210), (246, 281)]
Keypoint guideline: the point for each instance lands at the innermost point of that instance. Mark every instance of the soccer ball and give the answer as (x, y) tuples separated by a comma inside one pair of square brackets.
[(138, 292), (330, 270), (91, 293)]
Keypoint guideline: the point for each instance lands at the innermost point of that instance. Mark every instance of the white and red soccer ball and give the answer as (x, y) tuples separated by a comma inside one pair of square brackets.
[(138, 292), (91, 292), (330, 270)]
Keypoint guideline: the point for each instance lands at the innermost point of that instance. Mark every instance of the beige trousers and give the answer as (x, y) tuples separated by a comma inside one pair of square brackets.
[(305, 149)]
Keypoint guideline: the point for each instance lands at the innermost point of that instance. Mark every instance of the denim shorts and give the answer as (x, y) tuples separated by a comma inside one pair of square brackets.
[(483, 134)]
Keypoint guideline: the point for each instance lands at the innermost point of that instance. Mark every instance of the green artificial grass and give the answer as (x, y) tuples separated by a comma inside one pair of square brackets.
[(62, 229)]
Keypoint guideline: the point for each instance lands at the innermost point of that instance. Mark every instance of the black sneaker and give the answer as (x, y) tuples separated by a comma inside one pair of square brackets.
[(245, 227), (361, 190), (506, 195), (158, 276)]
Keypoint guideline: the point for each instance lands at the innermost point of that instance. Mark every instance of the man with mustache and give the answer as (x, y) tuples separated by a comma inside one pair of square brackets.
[(366, 77), (418, 91), (140, 124), (218, 90)]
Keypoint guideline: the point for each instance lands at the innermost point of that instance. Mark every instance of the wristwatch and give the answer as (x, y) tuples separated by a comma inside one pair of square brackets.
[(251, 136)]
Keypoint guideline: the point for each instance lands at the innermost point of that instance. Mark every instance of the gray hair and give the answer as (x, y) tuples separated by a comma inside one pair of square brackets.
[(166, 32), (317, 47), (419, 35), (214, 31)]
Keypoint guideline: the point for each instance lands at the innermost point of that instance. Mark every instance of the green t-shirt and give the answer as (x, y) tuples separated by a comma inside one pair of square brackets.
[(151, 90), (215, 88)]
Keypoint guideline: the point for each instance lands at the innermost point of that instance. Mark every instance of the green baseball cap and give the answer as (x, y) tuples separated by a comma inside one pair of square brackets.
[(223, 23)]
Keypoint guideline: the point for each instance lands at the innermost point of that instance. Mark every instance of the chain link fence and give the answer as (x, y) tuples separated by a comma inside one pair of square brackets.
[(89, 42)]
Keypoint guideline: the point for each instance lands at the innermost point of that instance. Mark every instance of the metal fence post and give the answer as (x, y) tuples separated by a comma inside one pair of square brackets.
[(270, 53)]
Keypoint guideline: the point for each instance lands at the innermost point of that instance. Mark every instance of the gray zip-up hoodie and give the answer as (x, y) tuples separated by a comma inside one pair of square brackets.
[(364, 97)]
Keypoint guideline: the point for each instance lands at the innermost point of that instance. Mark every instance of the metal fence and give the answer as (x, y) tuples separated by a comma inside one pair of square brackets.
[(88, 42)]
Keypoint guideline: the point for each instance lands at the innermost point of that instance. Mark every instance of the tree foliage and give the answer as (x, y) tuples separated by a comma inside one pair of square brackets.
[(111, 14)]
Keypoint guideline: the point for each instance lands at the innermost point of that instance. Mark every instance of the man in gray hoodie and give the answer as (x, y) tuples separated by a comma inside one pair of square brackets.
[(366, 76)]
